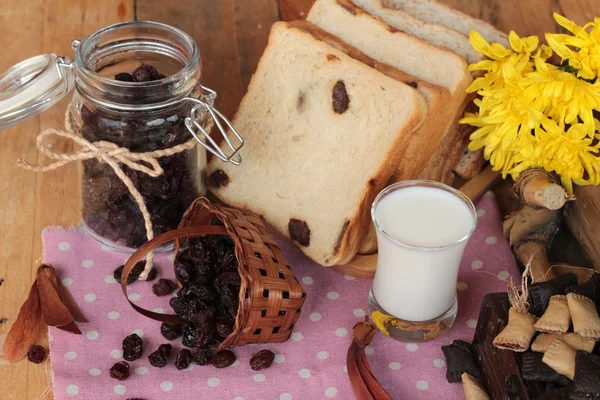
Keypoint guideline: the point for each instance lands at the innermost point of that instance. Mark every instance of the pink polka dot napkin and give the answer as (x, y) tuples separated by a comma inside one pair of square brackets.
[(311, 365)]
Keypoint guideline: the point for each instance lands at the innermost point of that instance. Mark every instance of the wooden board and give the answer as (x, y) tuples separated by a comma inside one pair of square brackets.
[(231, 35)]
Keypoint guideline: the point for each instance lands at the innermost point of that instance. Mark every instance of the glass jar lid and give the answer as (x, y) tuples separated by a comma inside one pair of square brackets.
[(32, 86)]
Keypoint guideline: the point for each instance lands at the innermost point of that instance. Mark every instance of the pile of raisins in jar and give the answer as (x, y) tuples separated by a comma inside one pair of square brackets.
[(108, 208)]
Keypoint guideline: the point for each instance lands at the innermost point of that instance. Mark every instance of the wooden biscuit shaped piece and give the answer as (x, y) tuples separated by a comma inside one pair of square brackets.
[(561, 358), (584, 314), (543, 341), (517, 334), (472, 389), (556, 318)]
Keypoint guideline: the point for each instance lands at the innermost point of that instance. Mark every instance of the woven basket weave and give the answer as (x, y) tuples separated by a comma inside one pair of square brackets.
[(271, 297)]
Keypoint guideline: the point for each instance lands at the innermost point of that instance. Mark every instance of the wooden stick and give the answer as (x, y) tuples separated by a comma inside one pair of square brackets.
[(540, 188), (484, 181)]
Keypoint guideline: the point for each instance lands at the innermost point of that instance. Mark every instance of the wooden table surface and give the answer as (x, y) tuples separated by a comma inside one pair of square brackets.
[(231, 35)]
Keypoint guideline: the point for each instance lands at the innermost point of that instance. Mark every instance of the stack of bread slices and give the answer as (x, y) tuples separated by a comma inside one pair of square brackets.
[(362, 94)]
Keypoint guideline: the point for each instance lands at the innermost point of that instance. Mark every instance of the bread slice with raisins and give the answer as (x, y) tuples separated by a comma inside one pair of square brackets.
[(324, 132), (434, 12)]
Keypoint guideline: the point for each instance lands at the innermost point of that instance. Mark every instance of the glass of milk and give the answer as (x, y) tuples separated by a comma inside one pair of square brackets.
[(422, 230)]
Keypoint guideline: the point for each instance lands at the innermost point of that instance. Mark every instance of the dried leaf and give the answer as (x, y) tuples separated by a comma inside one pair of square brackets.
[(54, 311), (26, 328), (64, 294), (292, 10), (70, 327)]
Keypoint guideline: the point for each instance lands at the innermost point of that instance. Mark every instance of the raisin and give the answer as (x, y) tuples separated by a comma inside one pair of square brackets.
[(1, 281), (3, 320), (261, 360), (205, 318), (151, 70), (218, 179), (413, 84), (161, 356), (141, 74), (170, 331), (183, 360), (36, 354), (203, 356), (120, 371), (223, 359), (133, 347), (135, 273), (190, 335), (124, 77), (340, 98), (299, 232), (164, 287), (151, 274), (224, 327)]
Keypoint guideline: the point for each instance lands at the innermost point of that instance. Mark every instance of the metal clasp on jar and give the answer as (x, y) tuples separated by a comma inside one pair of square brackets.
[(205, 104)]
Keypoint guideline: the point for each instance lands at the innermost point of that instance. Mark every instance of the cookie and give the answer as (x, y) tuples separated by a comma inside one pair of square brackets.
[(517, 334), (561, 358), (460, 359), (540, 293), (472, 389), (584, 314), (534, 369), (589, 289), (556, 318), (543, 340)]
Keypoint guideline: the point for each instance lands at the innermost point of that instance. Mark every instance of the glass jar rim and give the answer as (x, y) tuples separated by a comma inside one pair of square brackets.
[(431, 184), (187, 69)]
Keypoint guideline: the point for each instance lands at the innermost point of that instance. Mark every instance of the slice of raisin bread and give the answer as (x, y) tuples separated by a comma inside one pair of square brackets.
[(439, 116), (437, 13), (324, 132), (437, 35)]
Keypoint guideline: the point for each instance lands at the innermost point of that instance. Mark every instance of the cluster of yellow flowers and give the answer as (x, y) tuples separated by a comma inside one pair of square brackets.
[(535, 114)]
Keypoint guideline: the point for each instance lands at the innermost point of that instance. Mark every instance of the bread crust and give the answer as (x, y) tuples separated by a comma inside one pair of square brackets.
[(352, 230)]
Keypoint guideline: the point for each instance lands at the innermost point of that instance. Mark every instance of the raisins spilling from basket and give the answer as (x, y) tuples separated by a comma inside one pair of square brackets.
[(208, 300), (109, 210)]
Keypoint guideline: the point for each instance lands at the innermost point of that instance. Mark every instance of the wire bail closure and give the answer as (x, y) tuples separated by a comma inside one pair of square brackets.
[(194, 126)]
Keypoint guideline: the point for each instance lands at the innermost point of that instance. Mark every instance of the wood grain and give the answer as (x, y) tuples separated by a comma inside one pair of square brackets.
[(212, 24), (231, 35), (32, 201)]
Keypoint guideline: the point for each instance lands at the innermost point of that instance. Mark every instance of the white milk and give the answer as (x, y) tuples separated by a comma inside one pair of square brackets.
[(414, 281)]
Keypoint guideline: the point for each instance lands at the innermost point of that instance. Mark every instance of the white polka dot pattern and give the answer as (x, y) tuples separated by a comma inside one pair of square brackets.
[(120, 389)]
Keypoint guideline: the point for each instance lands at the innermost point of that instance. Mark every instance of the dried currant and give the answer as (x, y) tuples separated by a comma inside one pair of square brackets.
[(120, 371), (223, 359), (190, 335), (151, 70), (203, 356), (134, 275), (340, 98), (261, 360), (164, 287), (183, 360), (224, 327), (141, 74), (218, 179), (36, 354), (161, 356), (299, 232), (133, 347), (151, 275), (124, 77), (170, 331)]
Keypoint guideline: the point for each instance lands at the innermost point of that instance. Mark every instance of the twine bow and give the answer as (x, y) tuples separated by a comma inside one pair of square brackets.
[(113, 155)]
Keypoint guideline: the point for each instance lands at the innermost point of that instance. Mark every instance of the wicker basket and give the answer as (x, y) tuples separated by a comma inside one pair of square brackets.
[(270, 296)]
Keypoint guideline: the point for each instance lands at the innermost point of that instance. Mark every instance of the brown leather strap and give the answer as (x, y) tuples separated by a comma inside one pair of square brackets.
[(152, 245), (364, 383)]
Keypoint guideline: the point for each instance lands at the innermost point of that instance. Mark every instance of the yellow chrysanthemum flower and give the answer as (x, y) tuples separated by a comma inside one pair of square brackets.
[(519, 56), (561, 95), (571, 154), (581, 49)]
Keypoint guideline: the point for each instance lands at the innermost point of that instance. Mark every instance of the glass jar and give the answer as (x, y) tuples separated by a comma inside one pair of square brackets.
[(137, 86)]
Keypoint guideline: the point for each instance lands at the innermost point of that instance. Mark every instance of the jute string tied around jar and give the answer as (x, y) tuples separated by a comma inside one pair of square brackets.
[(113, 155)]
